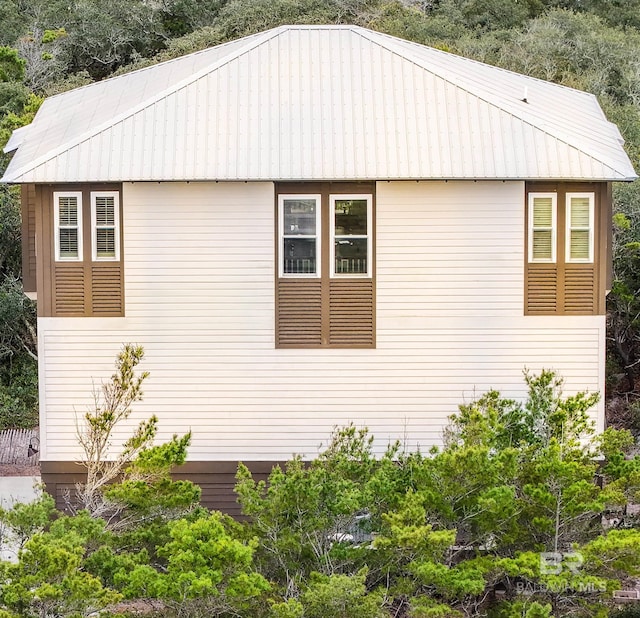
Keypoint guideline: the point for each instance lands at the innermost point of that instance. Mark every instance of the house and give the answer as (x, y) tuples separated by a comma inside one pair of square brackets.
[(308, 227)]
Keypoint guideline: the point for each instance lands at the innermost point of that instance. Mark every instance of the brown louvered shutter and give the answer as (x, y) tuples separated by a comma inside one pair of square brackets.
[(106, 290), (563, 269), (325, 271), (83, 252), (580, 289), (69, 290), (299, 313), (351, 313), (541, 289)]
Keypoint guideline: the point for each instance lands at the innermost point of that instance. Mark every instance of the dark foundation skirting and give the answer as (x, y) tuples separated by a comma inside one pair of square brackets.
[(215, 478)]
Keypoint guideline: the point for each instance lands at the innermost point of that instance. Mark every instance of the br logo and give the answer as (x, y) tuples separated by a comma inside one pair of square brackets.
[(554, 562)]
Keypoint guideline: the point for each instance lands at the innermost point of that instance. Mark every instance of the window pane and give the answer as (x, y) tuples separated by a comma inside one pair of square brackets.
[(351, 218), (68, 243), (299, 256), (351, 256), (105, 243), (105, 210), (580, 212), (299, 217), (542, 244), (580, 244), (542, 212), (68, 210)]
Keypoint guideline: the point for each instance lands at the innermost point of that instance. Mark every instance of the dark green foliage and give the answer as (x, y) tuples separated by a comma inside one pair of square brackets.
[(511, 481), (18, 392), (494, 14), (11, 65), (181, 17), (351, 535), (341, 596), (624, 13), (242, 17), (632, 611), (18, 344)]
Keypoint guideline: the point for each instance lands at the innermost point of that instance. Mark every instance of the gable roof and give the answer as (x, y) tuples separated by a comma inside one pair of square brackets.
[(319, 103)]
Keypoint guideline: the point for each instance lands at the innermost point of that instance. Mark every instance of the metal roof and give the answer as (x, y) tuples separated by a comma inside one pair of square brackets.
[(319, 103)]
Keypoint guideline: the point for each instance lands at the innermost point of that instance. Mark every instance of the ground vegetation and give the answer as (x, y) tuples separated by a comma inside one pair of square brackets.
[(523, 512)]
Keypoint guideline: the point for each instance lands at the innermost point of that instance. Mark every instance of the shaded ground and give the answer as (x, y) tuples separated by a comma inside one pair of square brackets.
[(18, 470)]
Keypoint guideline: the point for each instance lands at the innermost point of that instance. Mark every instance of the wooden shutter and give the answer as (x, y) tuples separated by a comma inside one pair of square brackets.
[(69, 290), (351, 322), (580, 289), (106, 290), (541, 292), (74, 283), (335, 305), (299, 313), (564, 278)]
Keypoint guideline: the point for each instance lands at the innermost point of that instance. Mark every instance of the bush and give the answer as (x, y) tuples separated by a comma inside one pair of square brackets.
[(19, 393)]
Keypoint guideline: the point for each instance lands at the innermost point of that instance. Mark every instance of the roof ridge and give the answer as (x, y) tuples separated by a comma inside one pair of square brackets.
[(256, 40), (507, 107)]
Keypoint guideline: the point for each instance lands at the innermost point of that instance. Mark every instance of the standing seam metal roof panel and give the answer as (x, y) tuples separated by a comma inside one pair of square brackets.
[(319, 103)]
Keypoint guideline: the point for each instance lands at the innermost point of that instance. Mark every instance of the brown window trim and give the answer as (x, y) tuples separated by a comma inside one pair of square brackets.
[(76, 289), (325, 312), (569, 288)]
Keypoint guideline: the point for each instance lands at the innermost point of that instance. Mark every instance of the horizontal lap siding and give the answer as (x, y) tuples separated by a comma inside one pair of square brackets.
[(200, 289)]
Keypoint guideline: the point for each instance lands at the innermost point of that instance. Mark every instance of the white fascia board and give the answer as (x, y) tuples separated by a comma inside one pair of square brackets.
[(17, 137)]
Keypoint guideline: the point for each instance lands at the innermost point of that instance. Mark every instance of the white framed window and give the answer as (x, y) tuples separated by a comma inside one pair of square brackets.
[(543, 228), (351, 235), (579, 227), (299, 235), (67, 216), (105, 225)]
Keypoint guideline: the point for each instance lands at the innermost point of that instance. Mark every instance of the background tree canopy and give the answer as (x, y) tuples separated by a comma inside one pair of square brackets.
[(49, 46)]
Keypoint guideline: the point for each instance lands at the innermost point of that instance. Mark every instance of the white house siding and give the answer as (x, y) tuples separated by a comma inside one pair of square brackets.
[(199, 287)]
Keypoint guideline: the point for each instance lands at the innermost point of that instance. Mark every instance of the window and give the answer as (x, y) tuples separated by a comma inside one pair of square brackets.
[(542, 227), (105, 215), (350, 235), (67, 212), (83, 249), (299, 232), (567, 247), (579, 241), (325, 288)]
